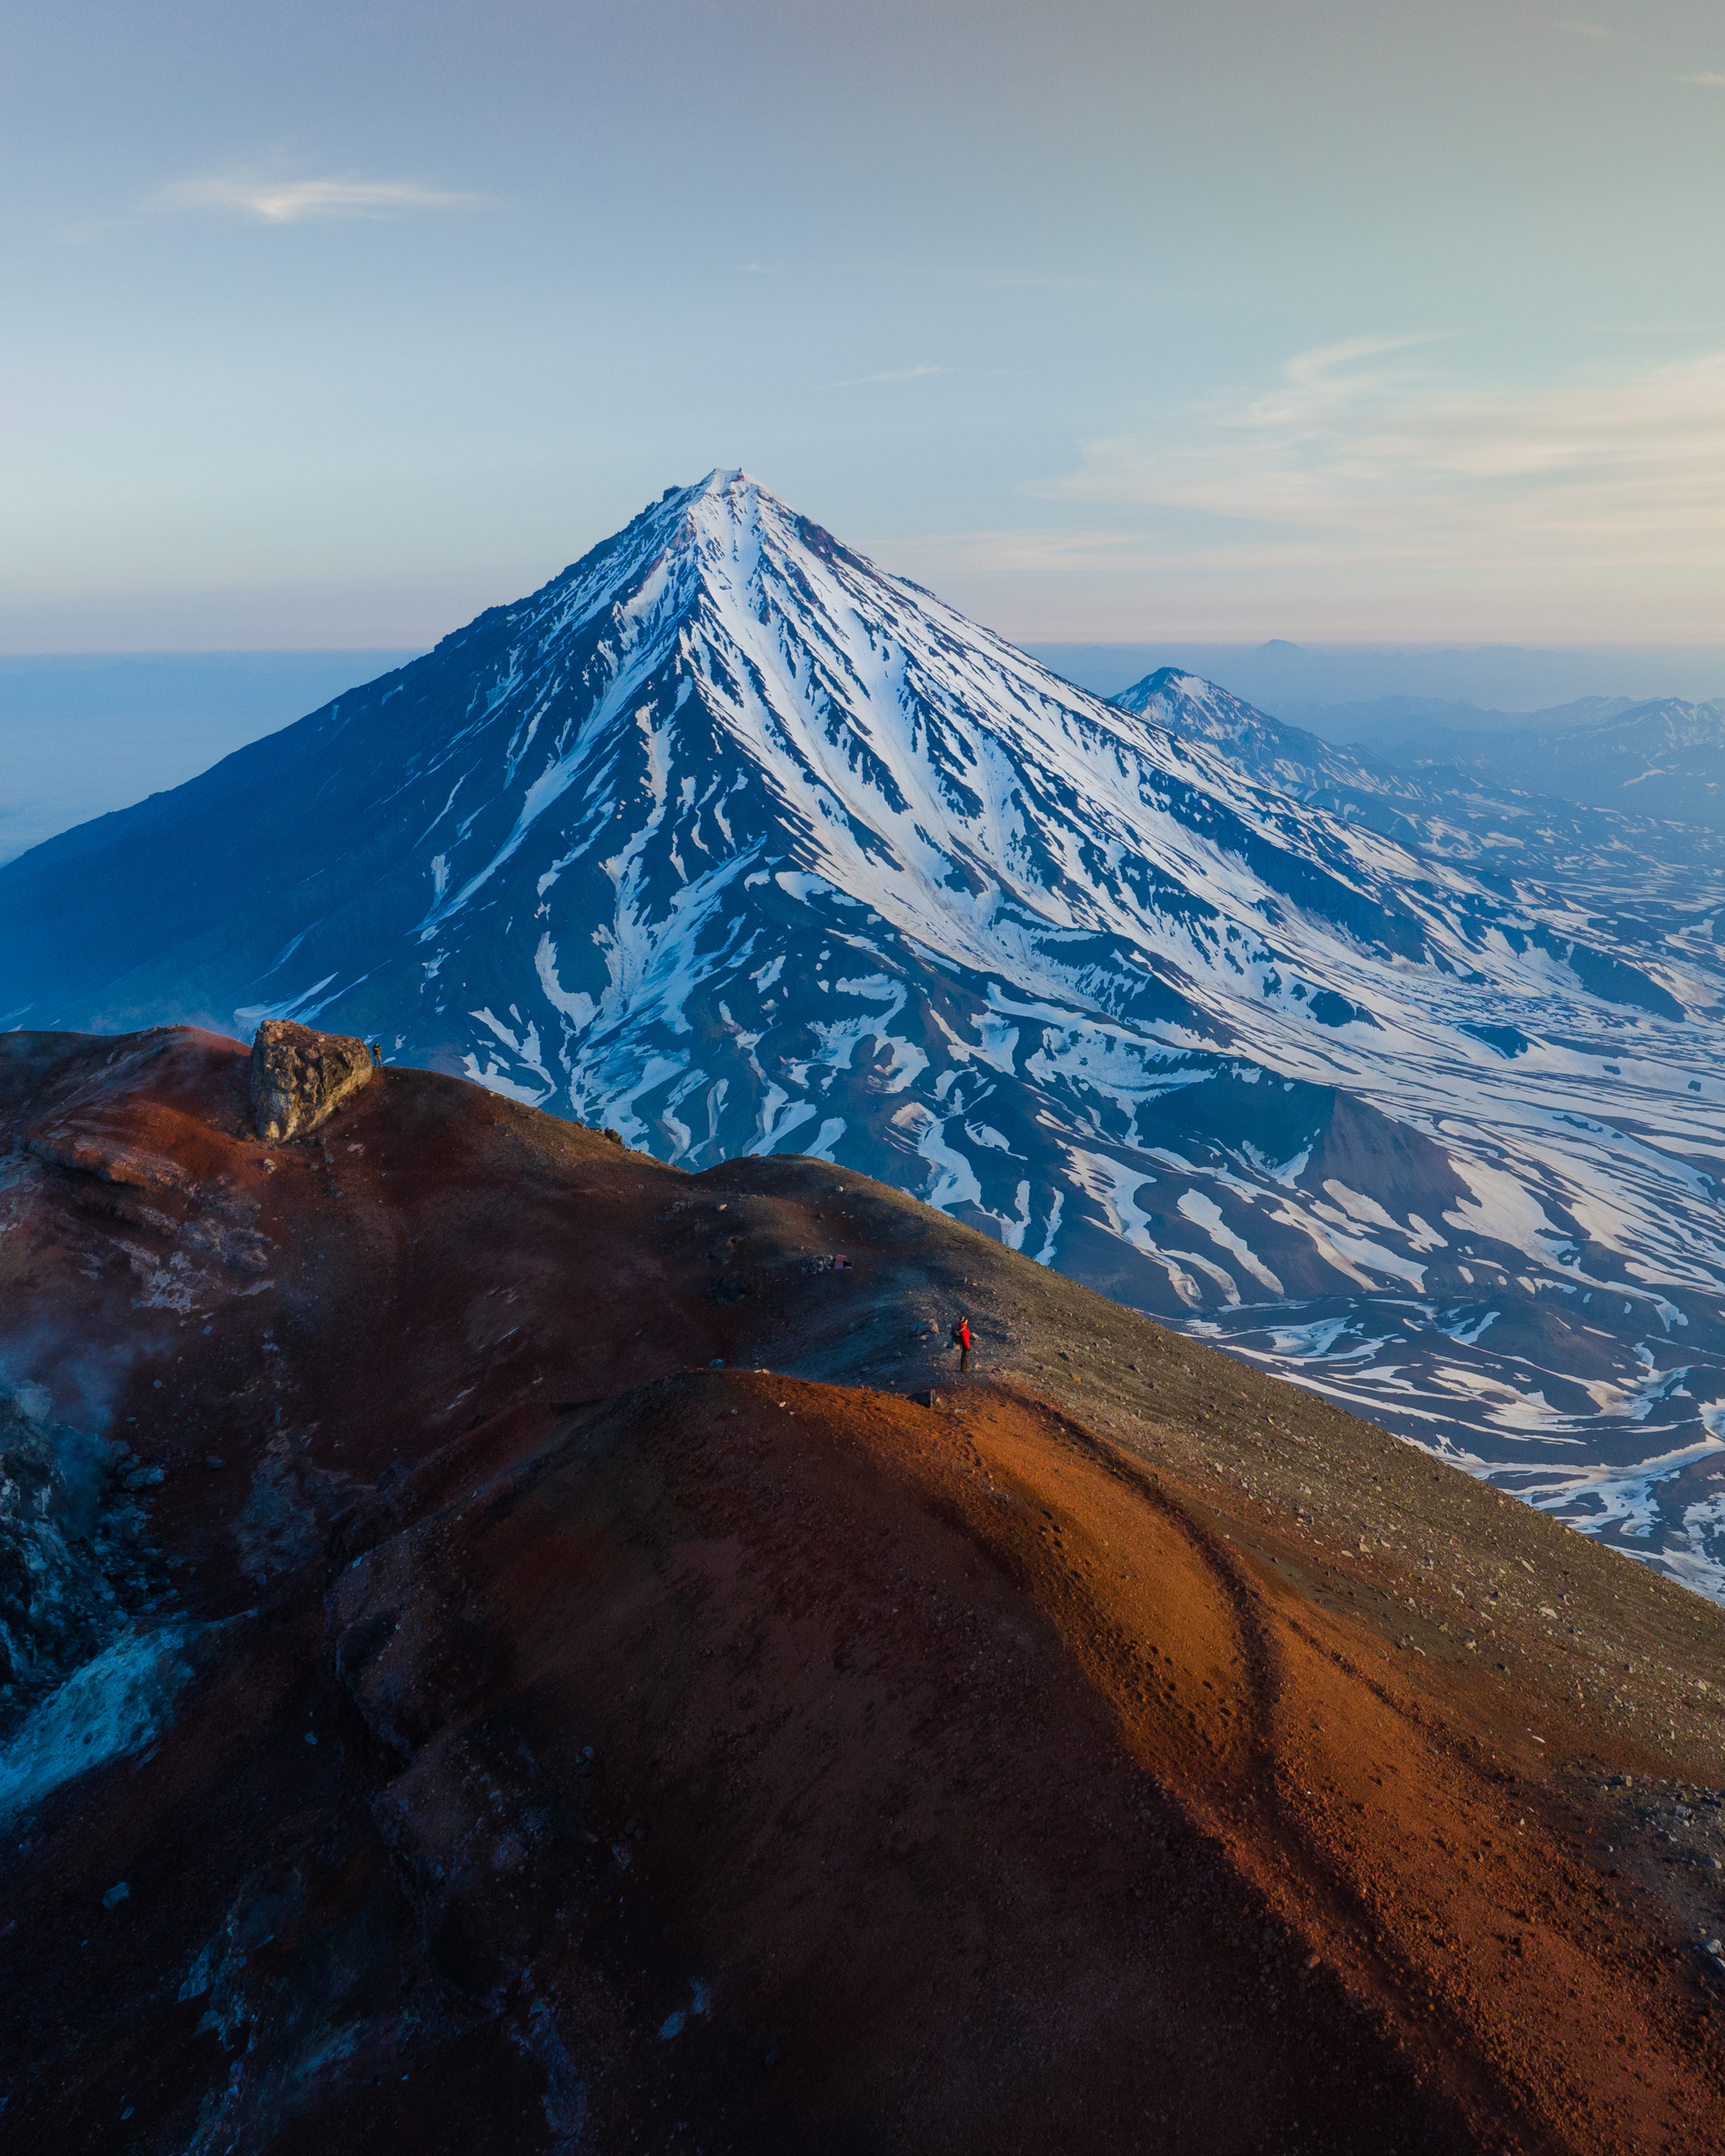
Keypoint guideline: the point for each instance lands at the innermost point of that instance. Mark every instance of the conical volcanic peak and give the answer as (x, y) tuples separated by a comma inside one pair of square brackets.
[(730, 841)]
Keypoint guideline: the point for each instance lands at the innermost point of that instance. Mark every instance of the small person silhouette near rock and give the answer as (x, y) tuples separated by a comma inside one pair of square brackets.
[(961, 1341)]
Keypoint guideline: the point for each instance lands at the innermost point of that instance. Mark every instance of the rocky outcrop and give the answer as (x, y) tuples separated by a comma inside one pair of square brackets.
[(299, 1077)]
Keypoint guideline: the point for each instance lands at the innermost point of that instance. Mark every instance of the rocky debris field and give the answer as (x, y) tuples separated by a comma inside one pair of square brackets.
[(512, 1648)]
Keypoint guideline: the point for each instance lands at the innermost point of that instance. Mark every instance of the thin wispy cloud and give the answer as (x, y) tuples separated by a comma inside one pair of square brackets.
[(1707, 82), (895, 374), (1349, 454), (308, 201), (1033, 550)]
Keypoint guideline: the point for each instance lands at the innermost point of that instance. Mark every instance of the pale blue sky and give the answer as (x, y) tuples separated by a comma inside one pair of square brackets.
[(331, 324)]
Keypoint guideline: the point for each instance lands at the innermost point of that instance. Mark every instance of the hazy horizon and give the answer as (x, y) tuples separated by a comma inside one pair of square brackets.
[(82, 734)]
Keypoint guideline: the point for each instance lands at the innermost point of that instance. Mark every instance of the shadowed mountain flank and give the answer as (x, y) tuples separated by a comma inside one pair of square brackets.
[(570, 1664)]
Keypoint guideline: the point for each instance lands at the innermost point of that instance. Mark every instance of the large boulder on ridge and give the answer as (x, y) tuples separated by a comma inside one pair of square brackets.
[(300, 1076)]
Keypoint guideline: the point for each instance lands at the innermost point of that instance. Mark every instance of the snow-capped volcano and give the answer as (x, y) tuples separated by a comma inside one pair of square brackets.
[(730, 841)]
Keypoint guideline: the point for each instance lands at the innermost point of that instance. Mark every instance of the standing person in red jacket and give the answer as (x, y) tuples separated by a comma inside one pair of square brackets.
[(961, 1341)]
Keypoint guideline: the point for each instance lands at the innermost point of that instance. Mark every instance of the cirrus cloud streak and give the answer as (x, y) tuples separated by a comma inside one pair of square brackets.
[(1356, 445), (307, 201)]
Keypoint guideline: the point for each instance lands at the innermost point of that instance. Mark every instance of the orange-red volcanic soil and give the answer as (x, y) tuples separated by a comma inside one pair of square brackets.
[(726, 1758)]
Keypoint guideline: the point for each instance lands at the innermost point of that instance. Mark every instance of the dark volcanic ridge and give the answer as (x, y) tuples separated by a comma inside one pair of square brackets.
[(545, 1658)]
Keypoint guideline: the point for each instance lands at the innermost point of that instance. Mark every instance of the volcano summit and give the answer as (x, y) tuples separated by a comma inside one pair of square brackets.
[(733, 842)]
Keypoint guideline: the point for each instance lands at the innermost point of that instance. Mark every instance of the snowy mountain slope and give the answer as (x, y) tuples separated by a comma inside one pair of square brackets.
[(729, 840)]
